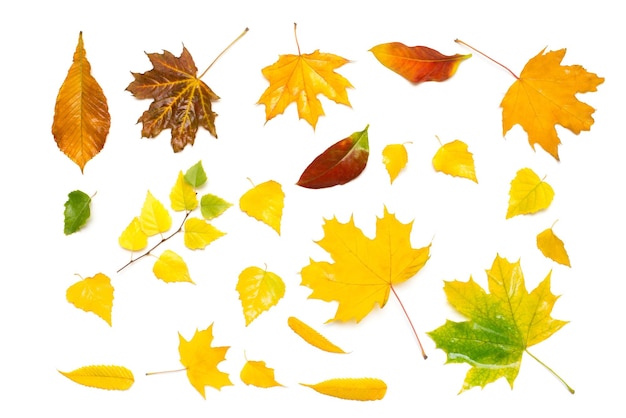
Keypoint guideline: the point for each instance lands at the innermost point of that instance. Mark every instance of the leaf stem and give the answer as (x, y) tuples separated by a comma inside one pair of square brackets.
[(458, 41), (166, 371), (295, 35), (410, 322), (569, 388), (224, 51)]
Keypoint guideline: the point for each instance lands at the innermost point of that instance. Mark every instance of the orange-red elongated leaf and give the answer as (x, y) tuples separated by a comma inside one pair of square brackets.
[(417, 63), (81, 114), (339, 163)]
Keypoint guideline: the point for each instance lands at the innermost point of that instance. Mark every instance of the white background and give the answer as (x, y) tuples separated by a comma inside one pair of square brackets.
[(466, 223)]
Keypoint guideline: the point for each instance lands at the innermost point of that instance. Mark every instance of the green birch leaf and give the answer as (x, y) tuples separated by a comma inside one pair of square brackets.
[(213, 206), (196, 175), (77, 211)]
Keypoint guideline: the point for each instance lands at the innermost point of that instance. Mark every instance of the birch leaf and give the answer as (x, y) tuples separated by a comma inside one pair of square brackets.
[(258, 290), (212, 206), (454, 159), (154, 219), (199, 233), (256, 373), (528, 194), (265, 203), (395, 158), (196, 176), (76, 212), (552, 247), (183, 195), (133, 238), (170, 267), (93, 294)]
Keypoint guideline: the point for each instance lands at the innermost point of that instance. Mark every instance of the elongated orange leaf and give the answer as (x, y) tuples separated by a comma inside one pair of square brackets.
[(311, 336), (528, 194), (102, 377), (256, 373), (81, 115), (93, 294), (552, 247), (417, 63), (265, 202), (355, 389)]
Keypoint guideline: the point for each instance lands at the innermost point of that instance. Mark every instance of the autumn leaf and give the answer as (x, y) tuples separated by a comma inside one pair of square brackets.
[(395, 158), (195, 175), (212, 206), (528, 194), (102, 377), (552, 247), (454, 159), (355, 389), (81, 115), (77, 211), (258, 290), (501, 325), (170, 267), (133, 238), (199, 233), (201, 360), (93, 294), (183, 195), (154, 218), (311, 336), (264, 203), (256, 373), (300, 79), (339, 163), (417, 63)]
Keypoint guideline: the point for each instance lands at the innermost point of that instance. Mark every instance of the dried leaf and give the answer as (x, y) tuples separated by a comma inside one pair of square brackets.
[(256, 373), (102, 377), (76, 212), (552, 247), (356, 389), (93, 294), (454, 159), (312, 337), (199, 233), (154, 218), (212, 206), (133, 238), (258, 290), (528, 194), (196, 175), (264, 203), (395, 158), (170, 267), (183, 195)]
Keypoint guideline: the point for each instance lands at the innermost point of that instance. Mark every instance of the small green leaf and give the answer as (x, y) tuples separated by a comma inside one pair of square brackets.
[(196, 175), (76, 211), (213, 206)]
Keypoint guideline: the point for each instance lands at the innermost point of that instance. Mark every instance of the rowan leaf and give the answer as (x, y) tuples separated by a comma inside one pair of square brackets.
[(417, 63), (528, 194), (395, 158), (454, 159), (183, 195), (311, 336), (552, 247), (338, 164), (300, 79), (256, 373), (196, 176), (201, 360), (154, 219), (93, 294), (102, 377), (265, 203), (133, 238), (77, 211), (212, 206), (170, 267), (501, 324), (544, 95), (258, 290), (81, 114), (355, 389), (199, 233)]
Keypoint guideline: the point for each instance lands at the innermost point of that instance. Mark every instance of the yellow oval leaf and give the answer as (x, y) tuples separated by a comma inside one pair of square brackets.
[(154, 219), (102, 377), (170, 267), (93, 294), (199, 233), (395, 158), (311, 336), (552, 247), (528, 194), (454, 159), (133, 238), (256, 373), (356, 389), (81, 115), (258, 290), (265, 203), (183, 195)]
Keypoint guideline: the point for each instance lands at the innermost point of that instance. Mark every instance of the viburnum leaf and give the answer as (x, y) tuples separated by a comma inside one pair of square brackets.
[(300, 78), (552, 247), (454, 159), (102, 377), (154, 219), (81, 115), (196, 176), (199, 233), (201, 360), (265, 203), (258, 290), (93, 294), (76, 212), (395, 158), (355, 389), (501, 325), (311, 336), (170, 267), (256, 373), (183, 195), (417, 63), (338, 164), (528, 194), (133, 238), (212, 206)]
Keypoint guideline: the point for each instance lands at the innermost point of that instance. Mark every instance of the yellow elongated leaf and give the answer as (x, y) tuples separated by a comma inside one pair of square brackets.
[(258, 290), (265, 203), (102, 377), (528, 194), (256, 373), (183, 195), (170, 267), (93, 294), (81, 114), (311, 336), (199, 233), (356, 389), (395, 158), (552, 247), (133, 238), (454, 159), (155, 219)]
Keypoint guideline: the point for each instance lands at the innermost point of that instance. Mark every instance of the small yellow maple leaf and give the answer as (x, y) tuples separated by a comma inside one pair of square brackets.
[(199, 233), (102, 377), (170, 267), (256, 373), (265, 203), (454, 159), (93, 294), (154, 218), (528, 194), (395, 158), (183, 196), (552, 247), (259, 290), (133, 238)]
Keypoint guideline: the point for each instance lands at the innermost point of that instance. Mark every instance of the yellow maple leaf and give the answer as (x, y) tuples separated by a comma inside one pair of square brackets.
[(552, 247), (265, 203), (454, 159), (183, 196), (256, 373), (311, 336), (258, 290), (201, 360), (93, 294), (154, 219), (395, 158), (355, 389), (528, 194), (102, 377), (300, 78), (170, 267), (133, 238), (199, 233)]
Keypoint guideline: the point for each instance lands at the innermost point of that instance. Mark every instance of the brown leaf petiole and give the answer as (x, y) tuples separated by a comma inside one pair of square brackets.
[(458, 41), (410, 322), (224, 51)]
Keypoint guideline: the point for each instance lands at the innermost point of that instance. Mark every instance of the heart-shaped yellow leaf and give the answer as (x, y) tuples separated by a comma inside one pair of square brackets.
[(256, 373), (183, 195), (528, 194), (395, 158), (265, 203), (258, 290), (170, 267), (155, 219), (199, 233), (454, 159), (93, 294), (133, 238), (102, 377)]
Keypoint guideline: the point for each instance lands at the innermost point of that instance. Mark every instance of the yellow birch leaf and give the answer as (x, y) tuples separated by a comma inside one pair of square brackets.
[(199, 233), (102, 377), (170, 267), (258, 290), (265, 203), (311, 336), (155, 219), (356, 389), (395, 158), (256, 373), (454, 159), (528, 194), (552, 247), (183, 195), (93, 294), (133, 238)]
